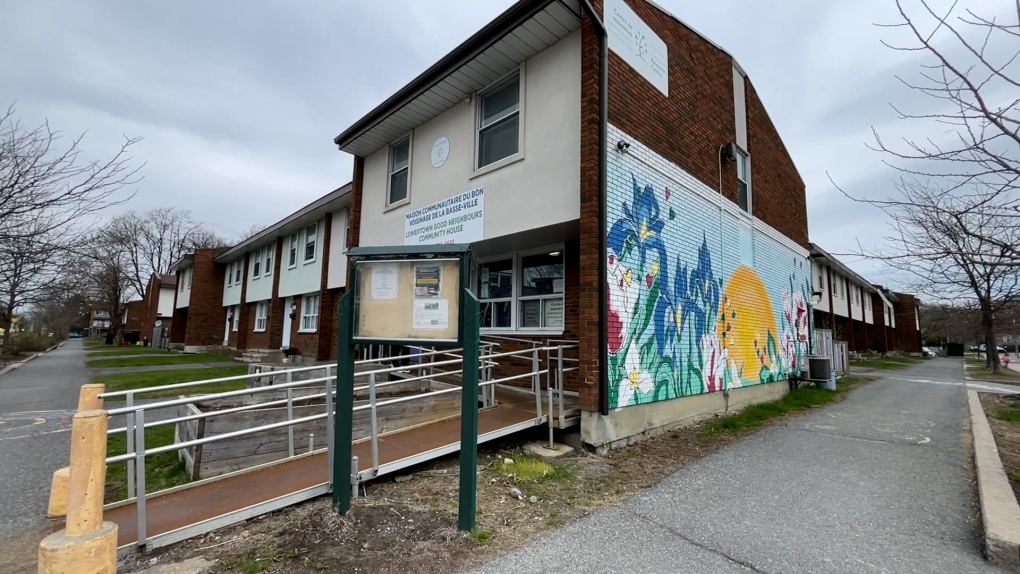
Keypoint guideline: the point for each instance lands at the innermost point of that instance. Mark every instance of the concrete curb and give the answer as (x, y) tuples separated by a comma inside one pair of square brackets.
[(1000, 513), (13, 366)]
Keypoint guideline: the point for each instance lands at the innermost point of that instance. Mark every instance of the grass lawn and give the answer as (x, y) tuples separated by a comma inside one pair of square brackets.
[(110, 351), (153, 361), (93, 342), (797, 400), (162, 471), (976, 368), (887, 362), (128, 381)]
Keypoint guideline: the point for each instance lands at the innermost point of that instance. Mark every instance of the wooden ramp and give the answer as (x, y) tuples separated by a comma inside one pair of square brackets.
[(191, 510)]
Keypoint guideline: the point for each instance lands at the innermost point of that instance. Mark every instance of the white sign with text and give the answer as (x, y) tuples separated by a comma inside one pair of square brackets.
[(458, 219), (637, 44)]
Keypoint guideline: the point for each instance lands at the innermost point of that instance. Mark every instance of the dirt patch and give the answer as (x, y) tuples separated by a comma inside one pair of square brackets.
[(408, 523), (1006, 433)]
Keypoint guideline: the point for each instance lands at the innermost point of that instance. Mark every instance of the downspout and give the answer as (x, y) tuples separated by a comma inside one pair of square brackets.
[(600, 29)]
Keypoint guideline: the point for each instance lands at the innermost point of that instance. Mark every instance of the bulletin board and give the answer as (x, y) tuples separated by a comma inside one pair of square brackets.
[(408, 300)]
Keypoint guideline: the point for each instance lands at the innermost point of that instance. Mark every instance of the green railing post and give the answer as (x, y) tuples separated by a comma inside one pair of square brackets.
[(469, 413), (343, 429)]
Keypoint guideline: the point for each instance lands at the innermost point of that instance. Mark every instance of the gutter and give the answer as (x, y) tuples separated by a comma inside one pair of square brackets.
[(600, 29)]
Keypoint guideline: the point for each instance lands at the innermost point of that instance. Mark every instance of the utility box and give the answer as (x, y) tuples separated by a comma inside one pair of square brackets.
[(955, 350), (819, 368)]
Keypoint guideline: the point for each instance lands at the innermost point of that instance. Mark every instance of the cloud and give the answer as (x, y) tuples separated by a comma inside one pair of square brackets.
[(238, 102)]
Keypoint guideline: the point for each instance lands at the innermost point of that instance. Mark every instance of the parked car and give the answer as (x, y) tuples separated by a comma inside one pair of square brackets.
[(982, 347), (926, 352)]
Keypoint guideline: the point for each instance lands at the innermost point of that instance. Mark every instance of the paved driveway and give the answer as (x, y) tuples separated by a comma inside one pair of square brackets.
[(880, 483)]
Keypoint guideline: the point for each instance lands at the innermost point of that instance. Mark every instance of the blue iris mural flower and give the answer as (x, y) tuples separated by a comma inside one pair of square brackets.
[(641, 228)]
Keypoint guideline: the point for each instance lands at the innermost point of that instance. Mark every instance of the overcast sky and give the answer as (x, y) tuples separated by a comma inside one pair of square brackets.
[(238, 102)]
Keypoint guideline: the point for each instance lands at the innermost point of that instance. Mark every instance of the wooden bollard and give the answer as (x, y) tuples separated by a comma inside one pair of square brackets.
[(87, 543), (88, 400)]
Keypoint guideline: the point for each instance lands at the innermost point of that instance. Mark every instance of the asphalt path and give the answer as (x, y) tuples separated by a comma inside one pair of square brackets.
[(879, 483)]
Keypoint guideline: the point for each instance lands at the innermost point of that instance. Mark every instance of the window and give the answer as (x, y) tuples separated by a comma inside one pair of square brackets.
[(499, 122), (523, 292), (238, 270), (400, 169), (261, 311), (236, 312), (495, 290), (821, 279), (268, 257), (309, 312), (230, 275), (310, 236), (190, 272), (744, 180), (256, 264), (292, 258), (542, 291)]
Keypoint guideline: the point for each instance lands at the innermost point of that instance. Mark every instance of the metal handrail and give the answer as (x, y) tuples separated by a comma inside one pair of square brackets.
[(136, 414)]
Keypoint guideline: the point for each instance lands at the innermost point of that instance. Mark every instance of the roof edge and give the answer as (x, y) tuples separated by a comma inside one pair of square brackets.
[(466, 51)]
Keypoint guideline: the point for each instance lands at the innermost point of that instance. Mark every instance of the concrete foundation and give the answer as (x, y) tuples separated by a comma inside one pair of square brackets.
[(628, 425), (94, 553)]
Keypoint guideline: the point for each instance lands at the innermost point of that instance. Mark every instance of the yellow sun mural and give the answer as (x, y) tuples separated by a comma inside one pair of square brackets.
[(745, 320)]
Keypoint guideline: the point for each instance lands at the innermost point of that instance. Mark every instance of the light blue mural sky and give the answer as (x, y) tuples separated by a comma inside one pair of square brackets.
[(238, 102)]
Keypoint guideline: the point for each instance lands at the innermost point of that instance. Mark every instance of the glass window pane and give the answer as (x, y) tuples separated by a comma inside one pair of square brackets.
[(552, 313), (495, 279), (400, 155), (498, 141), (531, 314), (743, 200), (398, 186), (542, 274), (500, 101), (496, 315)]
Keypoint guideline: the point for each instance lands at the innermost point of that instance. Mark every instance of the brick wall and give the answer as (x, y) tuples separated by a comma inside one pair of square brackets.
[(151, 312), (591, 228), (206, 314), (905, 336), (327, 298), (135, 311), (683, 133)]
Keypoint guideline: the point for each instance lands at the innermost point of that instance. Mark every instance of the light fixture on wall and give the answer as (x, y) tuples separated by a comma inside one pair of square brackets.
[(293, 311), (622, 146)]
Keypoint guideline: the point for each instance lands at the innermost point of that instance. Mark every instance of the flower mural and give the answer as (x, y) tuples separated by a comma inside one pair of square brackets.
[(691, 332)]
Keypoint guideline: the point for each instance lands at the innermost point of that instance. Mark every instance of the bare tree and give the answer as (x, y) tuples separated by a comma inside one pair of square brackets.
[(50, 183), (940, 240), (29, 263), (972, 77), (157, 239), (956, 214), (251, 231), (105, 266)]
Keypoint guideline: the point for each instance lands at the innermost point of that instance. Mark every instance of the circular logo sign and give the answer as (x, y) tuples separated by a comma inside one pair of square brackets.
[(440, 151)]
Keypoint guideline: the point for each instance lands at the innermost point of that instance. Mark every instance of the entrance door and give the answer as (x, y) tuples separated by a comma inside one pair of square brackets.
[(287, 321), (226, 328)]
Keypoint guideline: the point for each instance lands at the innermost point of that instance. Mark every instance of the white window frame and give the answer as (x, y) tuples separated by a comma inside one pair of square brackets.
[(521, 113), (292, 251), (409, 138), (267, 260), (309, 316), (744, 165), (236, 311), (261, 316), (230, 275), (315, 243), (238, 271), (256, 266), (516, 298), (190, 272)]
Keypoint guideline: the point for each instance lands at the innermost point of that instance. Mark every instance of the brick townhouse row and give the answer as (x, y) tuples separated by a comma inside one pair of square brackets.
[(622, 188), (276, 290)]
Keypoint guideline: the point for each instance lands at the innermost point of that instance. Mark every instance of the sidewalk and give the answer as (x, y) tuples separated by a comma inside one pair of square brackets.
[(878, 483)]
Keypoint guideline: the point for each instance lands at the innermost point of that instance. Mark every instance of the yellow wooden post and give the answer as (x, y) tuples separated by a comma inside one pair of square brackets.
[(87, 543), (88, 400)]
